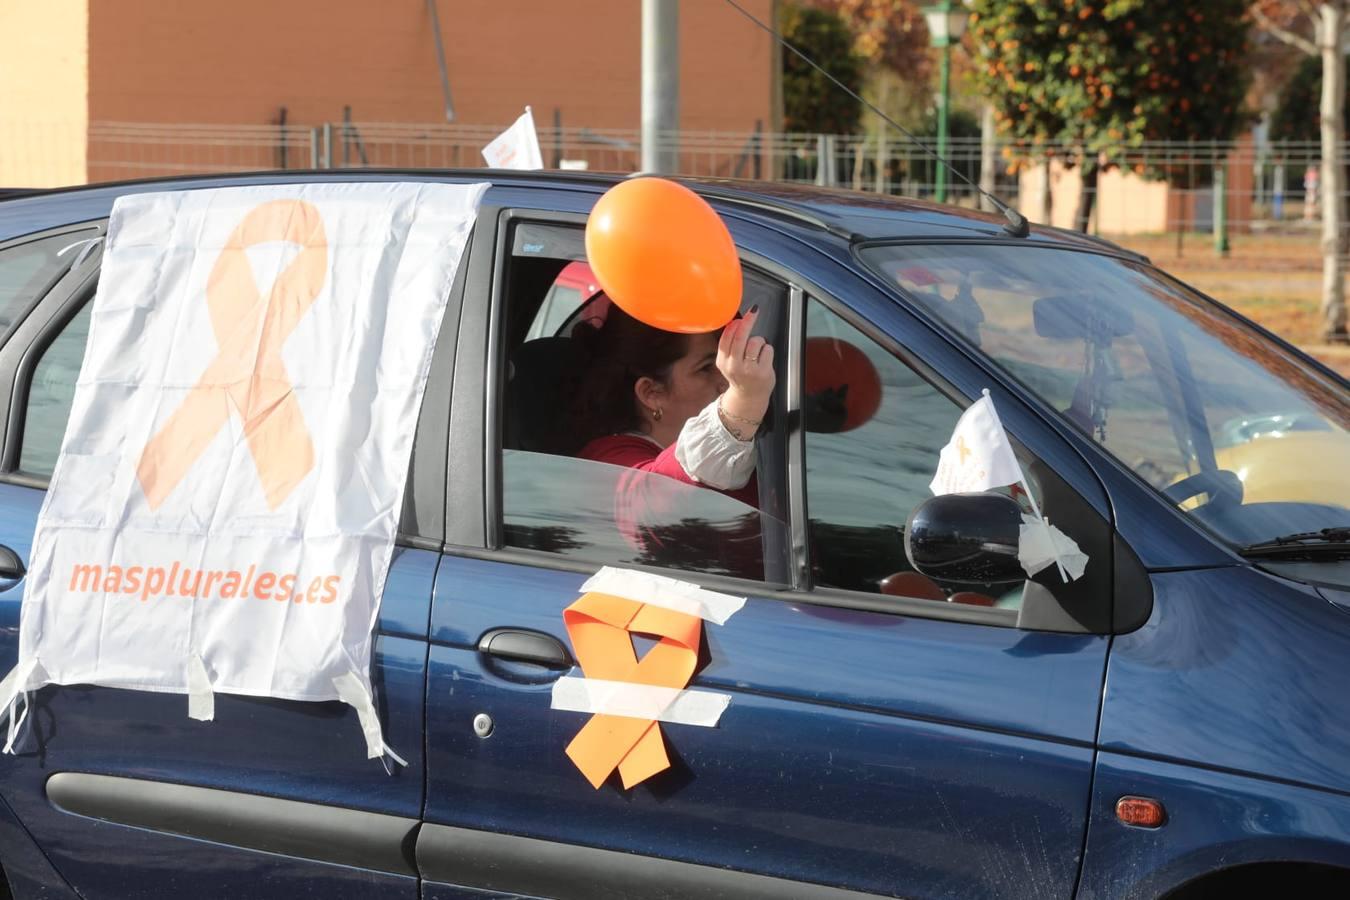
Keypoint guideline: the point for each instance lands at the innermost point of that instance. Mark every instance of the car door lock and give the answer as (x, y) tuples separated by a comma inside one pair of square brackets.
[(482, 725)]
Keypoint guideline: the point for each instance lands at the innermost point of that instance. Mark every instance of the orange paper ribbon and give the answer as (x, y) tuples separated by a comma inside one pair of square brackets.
[(248, 375), (601, 628)]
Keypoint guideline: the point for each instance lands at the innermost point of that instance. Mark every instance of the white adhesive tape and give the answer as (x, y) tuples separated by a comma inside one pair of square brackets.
[(201, 699), (13, 690), (658, 590), (1040, 544), (353, 693), (639, 701)]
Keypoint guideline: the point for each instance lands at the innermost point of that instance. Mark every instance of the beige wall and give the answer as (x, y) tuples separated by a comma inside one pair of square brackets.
[(238, 62), (1130, 204), (43, 98), (1126, 203)]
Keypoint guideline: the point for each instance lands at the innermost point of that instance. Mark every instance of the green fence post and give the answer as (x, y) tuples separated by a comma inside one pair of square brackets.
[(1221, 208)]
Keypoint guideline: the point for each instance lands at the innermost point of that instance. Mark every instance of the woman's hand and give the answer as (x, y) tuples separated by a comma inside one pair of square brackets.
[(747, 365)]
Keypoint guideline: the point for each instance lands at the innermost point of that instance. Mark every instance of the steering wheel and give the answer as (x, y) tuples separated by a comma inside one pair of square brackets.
[(1224, 488)]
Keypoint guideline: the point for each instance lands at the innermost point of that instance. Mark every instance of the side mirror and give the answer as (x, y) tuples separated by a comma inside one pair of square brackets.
[(966, 538)]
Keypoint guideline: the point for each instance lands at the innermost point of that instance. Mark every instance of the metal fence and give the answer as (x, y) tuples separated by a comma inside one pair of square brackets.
[(1263, 187)]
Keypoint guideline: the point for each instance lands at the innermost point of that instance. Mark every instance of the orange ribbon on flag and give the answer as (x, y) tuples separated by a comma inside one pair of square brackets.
[(248, 375), (601, 628)]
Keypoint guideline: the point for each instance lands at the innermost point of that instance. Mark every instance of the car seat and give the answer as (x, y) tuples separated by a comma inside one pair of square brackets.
[(543, 379)]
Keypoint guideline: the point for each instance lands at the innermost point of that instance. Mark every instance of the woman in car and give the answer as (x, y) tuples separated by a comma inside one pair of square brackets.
[(687, 406)]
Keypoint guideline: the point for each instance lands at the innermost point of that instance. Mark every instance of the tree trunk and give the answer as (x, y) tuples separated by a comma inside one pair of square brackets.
[(988, 157), (1087, 195), (1330, 34), (883, 98), (1047, 199)]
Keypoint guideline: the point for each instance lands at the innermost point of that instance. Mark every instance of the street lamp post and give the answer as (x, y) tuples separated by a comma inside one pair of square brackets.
[(946, 23)]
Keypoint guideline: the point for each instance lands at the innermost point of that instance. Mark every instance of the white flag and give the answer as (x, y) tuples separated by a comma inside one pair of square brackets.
[(223, 510), (517, 147), (979, 456)]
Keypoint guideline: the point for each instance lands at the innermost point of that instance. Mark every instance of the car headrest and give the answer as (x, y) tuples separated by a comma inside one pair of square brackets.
[(545, 376)]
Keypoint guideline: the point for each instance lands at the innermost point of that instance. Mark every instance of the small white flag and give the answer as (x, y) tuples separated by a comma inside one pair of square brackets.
[(517, 147), (979, 455)]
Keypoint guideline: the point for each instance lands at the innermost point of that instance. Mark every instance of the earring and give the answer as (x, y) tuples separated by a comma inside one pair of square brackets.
[(656, 414)]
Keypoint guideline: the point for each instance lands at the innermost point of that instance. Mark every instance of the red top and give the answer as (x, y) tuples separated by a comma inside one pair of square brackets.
[(634, 452)]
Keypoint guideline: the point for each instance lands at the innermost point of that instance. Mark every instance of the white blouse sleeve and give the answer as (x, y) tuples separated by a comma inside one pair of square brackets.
[(711, 455)]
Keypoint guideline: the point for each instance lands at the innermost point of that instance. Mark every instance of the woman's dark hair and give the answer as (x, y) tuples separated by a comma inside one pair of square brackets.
[(617, 353)]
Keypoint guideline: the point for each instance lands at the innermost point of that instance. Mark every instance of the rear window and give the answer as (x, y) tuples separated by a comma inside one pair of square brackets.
[(29, 270)]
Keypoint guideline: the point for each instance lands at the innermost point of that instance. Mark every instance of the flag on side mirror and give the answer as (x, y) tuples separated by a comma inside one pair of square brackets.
[(979, 455)]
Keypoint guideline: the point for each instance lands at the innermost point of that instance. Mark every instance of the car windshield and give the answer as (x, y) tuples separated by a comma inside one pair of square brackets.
[(1231, 428)]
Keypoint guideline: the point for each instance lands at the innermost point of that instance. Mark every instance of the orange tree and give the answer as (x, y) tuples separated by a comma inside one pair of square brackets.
[(890, 34), (1100, 77), (891, 39), (811, 103)]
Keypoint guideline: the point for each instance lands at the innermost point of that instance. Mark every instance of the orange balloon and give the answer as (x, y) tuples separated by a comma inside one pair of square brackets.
[(662, 253), (832, 364)]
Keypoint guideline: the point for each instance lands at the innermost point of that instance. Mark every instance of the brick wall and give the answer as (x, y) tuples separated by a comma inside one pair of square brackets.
[(238, 62)]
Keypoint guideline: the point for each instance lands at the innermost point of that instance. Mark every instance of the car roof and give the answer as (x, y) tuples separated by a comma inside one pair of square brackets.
[(853, 216)]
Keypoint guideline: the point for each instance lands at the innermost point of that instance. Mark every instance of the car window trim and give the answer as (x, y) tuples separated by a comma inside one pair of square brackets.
[(911, 606), (485, 447), (65, 313), (492, 548), (492, 369), (494, 535), (466, 460), (798, 533), (19, 358), (427, 472), (833, 598), (76, 262)]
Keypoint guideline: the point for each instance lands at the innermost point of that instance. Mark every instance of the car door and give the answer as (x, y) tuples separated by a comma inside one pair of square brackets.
[(123, 792), (884, 735)]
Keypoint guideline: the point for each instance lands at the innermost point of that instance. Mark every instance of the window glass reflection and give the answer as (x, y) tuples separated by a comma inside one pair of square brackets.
[(874, 430), (1225, 423), (596, 512)]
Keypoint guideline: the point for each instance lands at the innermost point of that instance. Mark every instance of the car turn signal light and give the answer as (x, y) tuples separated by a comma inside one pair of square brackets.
[(1141, 812)]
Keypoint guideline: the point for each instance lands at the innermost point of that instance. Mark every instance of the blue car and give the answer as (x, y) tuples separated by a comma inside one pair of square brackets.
[(910, 715)]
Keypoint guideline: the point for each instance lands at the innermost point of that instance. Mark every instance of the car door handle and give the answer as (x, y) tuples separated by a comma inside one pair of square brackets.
[(11, 567), (521, 645)]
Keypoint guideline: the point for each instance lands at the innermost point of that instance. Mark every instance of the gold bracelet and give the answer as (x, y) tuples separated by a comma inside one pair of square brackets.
[(732, 429), (736, 432), (753, 423)]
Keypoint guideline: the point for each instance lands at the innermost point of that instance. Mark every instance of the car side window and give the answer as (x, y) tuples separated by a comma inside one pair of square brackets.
[(874, 430), (555, 501), (28, 271), (50, 393)]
